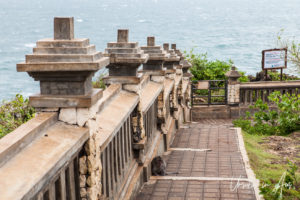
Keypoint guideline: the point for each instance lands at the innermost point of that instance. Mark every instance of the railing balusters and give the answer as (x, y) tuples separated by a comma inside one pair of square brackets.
[(116, 159), (52, 192), (40, 196), (129, 134), (125, 139), (249, 95)]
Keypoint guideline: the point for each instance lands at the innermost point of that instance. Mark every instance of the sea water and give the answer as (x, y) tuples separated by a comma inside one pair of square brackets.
[(225, 29)]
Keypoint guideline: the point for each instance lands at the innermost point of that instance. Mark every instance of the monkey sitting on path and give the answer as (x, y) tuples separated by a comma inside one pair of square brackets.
[(158, 167)]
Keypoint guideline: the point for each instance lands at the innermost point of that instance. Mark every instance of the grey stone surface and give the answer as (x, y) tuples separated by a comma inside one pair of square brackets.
[(151, 41), (123, 35), (63, 28)]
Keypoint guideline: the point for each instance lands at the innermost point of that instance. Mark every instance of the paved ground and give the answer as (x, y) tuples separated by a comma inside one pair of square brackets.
[(209, 164)]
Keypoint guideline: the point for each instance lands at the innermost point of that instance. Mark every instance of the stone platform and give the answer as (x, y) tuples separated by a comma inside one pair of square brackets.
[(208, 159)]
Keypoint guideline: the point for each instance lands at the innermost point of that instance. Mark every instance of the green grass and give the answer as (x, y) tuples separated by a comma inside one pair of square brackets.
[(262, 161), (268, 167)]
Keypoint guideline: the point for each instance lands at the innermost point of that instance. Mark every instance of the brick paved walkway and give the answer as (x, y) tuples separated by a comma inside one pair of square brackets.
[(209, 164)]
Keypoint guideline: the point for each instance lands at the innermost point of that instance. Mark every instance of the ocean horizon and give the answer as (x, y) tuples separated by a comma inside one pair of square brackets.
[(224, 29)]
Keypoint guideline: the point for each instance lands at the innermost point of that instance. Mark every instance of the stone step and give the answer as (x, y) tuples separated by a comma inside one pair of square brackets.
[(31, 169), (63, 66), (123, 50), (63, 43), (129, 59), (128, 55), (122, 45), (154, 51), (33, 58), (210, 112), (65, 50)]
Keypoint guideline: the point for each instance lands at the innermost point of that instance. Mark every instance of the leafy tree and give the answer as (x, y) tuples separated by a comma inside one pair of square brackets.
[(204, 69)]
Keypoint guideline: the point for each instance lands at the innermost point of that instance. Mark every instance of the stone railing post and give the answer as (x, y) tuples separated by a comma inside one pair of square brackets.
[(64, 66), (154, 67), (233, 90), (178, 64), (171, 62), (186, 65), (125, 59), (171, 65)]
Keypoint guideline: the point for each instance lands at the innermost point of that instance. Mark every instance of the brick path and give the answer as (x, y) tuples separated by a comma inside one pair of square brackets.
[(209, 164)]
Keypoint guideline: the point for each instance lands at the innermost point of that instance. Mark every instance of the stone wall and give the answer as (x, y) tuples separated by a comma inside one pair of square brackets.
[(98, 143)]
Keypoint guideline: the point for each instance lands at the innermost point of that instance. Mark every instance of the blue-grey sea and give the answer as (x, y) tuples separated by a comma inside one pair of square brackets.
[(225, 29)]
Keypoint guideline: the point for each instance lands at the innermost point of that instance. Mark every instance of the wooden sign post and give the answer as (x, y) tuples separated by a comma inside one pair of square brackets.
[(274, 59)]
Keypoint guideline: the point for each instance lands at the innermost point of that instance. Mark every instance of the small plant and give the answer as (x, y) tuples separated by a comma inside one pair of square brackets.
[(99, 83), (264, 121), (288, 186), (14, 113)]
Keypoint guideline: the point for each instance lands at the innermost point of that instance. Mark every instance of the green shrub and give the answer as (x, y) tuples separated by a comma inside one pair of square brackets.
[(282, 121), (203, 69), (14, 113)]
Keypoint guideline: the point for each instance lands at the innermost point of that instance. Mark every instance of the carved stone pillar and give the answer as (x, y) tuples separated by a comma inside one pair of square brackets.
[(154, 67), (125, 59), (64, 66), (170, 63), (233, 94)]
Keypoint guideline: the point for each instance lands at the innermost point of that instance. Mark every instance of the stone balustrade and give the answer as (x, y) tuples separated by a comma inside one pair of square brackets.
[(89, 143)]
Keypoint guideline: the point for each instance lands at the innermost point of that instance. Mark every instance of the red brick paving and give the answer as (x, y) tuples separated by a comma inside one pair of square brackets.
[(223, 161)]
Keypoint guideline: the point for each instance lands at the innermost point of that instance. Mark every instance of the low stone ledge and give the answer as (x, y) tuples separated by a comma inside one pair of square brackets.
[(33, 168), (168, 87), (149, 94), (113, 116), (270, 84), (17, 140)]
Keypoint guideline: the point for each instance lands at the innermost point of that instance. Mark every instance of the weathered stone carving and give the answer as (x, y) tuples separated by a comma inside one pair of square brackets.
[(125, 57), (64, 66), (186, 65), (172, 60), (157, 56), (233, 96)]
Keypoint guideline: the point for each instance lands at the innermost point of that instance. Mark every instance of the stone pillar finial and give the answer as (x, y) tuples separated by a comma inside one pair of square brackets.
[(233, 75), (151, 41), (63, 28), (173, 46), (166, 46), (122, 35)]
